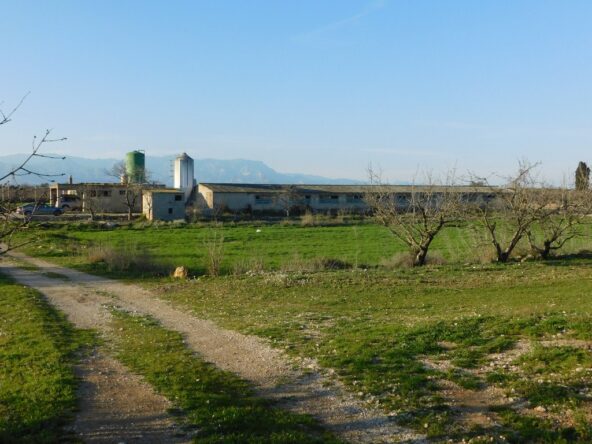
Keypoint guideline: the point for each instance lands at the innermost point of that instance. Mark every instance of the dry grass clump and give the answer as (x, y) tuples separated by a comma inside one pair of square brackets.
[(308, 220), (214, 247), (398, 260), (253, 265), (124, 258)]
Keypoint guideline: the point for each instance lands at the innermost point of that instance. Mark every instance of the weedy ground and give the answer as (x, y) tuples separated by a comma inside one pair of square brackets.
[(459, 351)]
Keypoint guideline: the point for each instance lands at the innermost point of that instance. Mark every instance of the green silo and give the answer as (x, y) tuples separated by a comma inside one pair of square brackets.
[(135, 166)]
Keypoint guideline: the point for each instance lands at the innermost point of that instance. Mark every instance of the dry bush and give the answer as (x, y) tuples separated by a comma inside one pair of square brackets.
[(308, 220), (125, 258)]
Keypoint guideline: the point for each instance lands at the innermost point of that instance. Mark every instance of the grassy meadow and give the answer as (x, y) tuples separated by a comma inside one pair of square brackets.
[(269, 246), (466, 349)]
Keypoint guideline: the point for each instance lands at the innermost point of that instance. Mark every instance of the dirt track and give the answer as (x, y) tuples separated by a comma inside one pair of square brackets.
[(83, 298)]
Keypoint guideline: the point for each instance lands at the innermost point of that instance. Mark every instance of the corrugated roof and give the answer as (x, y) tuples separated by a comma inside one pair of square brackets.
[(334, 189)]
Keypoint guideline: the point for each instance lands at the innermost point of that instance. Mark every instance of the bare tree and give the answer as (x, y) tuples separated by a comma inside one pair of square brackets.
[(561, 213), (132, 194), (288, 198), (91, 200), (9, 223), (515, 208), (416, 217)]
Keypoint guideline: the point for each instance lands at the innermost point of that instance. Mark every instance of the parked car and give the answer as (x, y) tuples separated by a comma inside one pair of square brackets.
[(69, 202), (37, 209)]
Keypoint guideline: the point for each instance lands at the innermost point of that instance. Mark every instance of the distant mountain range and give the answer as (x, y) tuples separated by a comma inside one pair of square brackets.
[(161, 170)]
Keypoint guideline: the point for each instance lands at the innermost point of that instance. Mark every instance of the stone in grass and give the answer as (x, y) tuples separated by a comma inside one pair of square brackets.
[(180, 273), (540, 409)]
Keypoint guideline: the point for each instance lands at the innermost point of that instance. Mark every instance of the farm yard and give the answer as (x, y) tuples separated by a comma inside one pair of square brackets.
[(462, 349)]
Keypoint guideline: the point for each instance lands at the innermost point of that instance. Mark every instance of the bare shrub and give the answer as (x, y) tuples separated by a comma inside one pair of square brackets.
[(308, 219), (406, 259), (214, 247), (252, 265), (295, 264), (124, 258)]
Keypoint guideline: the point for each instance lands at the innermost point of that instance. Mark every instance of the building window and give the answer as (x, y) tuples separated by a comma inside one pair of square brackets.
[(121, 192), (170, 211), (178, 197), (354, 198), (329, 199), (262, 200), (106, 193)]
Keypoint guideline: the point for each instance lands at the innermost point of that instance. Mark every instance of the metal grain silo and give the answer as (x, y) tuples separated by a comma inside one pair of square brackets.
[(184, 174), (135, 166)]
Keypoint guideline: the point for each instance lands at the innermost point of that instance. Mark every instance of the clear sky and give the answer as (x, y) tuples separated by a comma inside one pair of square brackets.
[(319, 87)]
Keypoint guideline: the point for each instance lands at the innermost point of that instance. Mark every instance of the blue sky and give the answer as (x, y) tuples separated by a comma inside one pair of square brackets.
[(320, 87)]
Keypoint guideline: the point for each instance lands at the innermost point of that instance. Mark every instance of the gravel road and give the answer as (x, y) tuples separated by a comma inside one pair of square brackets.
[(299, 388)]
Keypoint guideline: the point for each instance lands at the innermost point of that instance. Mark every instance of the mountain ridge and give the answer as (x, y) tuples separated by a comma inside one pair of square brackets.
[(160, 169)]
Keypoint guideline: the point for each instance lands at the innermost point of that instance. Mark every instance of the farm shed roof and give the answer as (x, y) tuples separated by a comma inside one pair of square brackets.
[(333, 189)]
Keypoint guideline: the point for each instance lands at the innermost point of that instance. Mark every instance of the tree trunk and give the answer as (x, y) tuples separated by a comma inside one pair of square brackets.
[(546, 250), (503, 256), (420, 257)]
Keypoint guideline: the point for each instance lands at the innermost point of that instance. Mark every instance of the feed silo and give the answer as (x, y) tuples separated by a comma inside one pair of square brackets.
[(184, 175), (135, 166)]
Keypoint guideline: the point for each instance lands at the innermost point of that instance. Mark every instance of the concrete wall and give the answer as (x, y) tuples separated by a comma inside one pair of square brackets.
[(270, 200), (277, 202), (164, 205), (100, 198)]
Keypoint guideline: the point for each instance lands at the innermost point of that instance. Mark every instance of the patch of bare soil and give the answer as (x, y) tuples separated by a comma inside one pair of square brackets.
[(272, 373), (472, 407), (117, 406)]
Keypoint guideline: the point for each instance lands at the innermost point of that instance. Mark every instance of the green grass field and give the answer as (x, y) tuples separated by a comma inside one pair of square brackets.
[(268, 246), (420, 343), (38, 350)]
